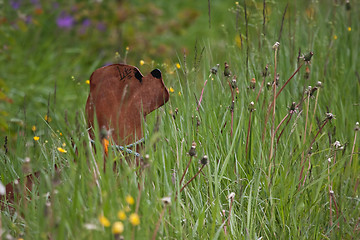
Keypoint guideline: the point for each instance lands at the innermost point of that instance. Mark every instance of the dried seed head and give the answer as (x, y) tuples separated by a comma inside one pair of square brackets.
[(233, 82), (329, 116), (265, 72), (231, 196), (308, 57), (251, 107), (192, 151), (337, 145), (357, 127), (204, 160), (166, 200), (252, 83), (215, 69), (329, 160), (268, 85), (319, 84), (227, 72), (293, 106), (347, 5), (232, 106), (312, 91), (276, 46)]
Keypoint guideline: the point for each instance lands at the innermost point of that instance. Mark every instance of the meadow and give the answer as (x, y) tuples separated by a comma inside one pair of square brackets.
[(279, 127)]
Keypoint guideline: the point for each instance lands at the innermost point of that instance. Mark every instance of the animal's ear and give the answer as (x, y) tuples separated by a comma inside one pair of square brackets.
[(156, 73)]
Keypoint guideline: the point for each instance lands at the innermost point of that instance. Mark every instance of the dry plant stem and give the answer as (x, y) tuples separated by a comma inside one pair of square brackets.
[(187, 167), (232, 109), (277, 95), (353, 149), (231, 203), (287, 122), (281, 122), (232, 123), (192, 178), (261, 87), (223, 221), (320, 129), (248, 134), (274, 105), (201, 96), (158, 223), (304, 138)]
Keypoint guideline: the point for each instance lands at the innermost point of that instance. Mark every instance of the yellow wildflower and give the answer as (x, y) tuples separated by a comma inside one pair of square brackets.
[(36, 138), (104, 221), (47, 118), (349, 29), (121, 215), (335, 37), (130, 200), (87, 81), (117, 228), (127, 48), (134, 219), (142, 62), (238, 41), (33, 128), (178, 66), (179, 94), (171, 90), (61, 150), (64, 144)]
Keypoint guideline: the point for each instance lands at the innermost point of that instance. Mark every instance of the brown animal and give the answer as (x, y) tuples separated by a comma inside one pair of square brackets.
[(120, 97)]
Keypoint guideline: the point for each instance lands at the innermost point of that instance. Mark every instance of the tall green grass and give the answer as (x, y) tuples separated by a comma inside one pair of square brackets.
[(270, 201)]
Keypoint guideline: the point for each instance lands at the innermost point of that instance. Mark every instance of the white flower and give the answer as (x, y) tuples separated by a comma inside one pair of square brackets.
[(276, 46), (231, 195), (166, 200)]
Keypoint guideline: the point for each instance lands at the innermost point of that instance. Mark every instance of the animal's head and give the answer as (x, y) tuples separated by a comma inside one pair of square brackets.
[(121, 96)]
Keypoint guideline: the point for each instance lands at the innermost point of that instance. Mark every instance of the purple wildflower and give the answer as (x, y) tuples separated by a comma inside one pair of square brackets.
[(15, 4), (65, 20), (101, 26), (85, 25)]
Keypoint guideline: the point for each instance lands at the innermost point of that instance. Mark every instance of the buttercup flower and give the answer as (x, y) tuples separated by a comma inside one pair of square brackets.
[(104, 221), (121, 215), (61, 150), (130, 200), (117, 228), (36, 138), (134, 219)]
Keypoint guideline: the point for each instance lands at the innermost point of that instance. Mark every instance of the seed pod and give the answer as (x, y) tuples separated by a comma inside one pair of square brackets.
[(204, 160)]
